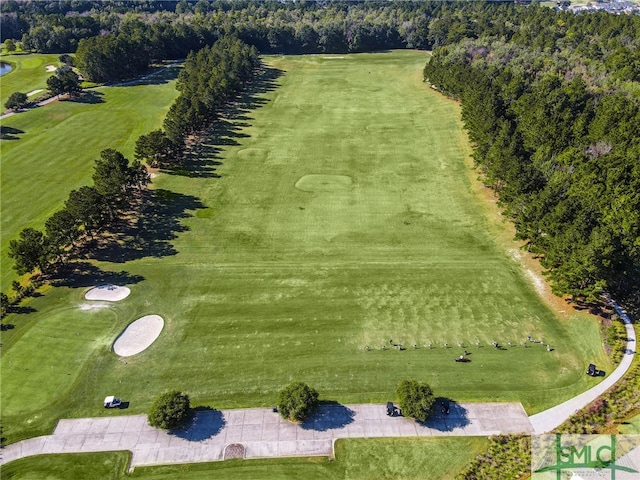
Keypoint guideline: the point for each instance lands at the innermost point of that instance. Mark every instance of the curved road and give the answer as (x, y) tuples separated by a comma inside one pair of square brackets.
[(549, 419)]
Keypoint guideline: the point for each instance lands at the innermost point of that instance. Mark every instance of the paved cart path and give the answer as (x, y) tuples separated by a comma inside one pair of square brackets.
[(261, 432), (549, 419)]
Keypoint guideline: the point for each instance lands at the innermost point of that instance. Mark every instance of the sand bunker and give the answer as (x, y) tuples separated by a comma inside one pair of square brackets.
[(138, 336), (108, 293), (51, 68), (324, 183), (34, 92)]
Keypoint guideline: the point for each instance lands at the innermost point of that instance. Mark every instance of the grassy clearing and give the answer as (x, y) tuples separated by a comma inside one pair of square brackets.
[(81, 466), (343, 217), (428, 459), (631, 426), (29, 73), (54, 154)]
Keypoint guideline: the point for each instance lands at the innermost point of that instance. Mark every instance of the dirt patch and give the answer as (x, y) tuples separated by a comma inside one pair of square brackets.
[(93, 306), (537, 281)]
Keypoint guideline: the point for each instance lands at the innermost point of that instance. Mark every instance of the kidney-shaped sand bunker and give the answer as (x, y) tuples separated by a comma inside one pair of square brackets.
[(138, 335), (109, 293)]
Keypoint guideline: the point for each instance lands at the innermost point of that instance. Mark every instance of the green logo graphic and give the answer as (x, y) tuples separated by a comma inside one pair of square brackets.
[(583, 452)]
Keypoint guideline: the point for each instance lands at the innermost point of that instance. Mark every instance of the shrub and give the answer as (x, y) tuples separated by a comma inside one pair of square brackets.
[(297, 401), (170, 410), (16, 101), (508, 456), (416, 399)]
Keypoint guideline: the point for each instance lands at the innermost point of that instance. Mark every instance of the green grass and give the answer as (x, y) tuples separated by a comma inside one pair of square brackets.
[(631, 426), (29, 73), (58, 146), (404, 458), (80, 466), (343, 217)]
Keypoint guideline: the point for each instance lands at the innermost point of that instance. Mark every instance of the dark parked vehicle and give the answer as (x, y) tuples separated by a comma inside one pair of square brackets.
[(391, 409)]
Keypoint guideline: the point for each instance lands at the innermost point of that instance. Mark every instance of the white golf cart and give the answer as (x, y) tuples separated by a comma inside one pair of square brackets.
[(112, 402)]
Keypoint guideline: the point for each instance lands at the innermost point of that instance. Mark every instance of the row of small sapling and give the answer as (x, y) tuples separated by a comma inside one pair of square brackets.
[(401, 347)]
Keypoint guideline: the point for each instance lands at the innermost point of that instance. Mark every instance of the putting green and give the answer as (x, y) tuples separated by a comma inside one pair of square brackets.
[(29, 73), (266, 282)]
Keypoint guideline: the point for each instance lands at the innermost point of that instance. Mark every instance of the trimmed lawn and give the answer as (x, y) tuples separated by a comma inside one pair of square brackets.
[(356, 459), (333, 215), (631, 426), (29, 73), (78, 466), (59, 143)]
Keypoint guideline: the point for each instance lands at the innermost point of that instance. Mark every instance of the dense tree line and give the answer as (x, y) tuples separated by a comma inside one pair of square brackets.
[(87, 211), (210, 78), (112, 45), (556, 130)]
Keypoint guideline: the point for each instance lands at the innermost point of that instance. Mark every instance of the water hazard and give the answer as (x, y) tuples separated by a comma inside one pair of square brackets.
[(5, 68)]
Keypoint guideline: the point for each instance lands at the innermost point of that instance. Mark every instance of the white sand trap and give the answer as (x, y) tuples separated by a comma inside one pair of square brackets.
[(51, 68), (138, 336), (33, 92), (108, 293)]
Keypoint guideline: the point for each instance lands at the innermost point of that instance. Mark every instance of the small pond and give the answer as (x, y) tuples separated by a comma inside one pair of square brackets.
[(4, 68)]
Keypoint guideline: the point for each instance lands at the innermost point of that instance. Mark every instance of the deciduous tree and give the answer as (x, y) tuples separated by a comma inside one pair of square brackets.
[(30, 251), (170, 410), (416, 400), (16, 101), (297, 401)]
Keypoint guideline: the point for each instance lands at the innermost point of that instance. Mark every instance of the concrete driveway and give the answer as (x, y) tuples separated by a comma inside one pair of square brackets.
[(260, 433)]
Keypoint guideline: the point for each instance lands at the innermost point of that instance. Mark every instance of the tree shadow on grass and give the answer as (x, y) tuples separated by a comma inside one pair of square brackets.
[(84, 274), (443, 422), (202, 158), (163, 76), (206, 422), (20, 309), (149, 231), (329, 416), (10, 133)]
